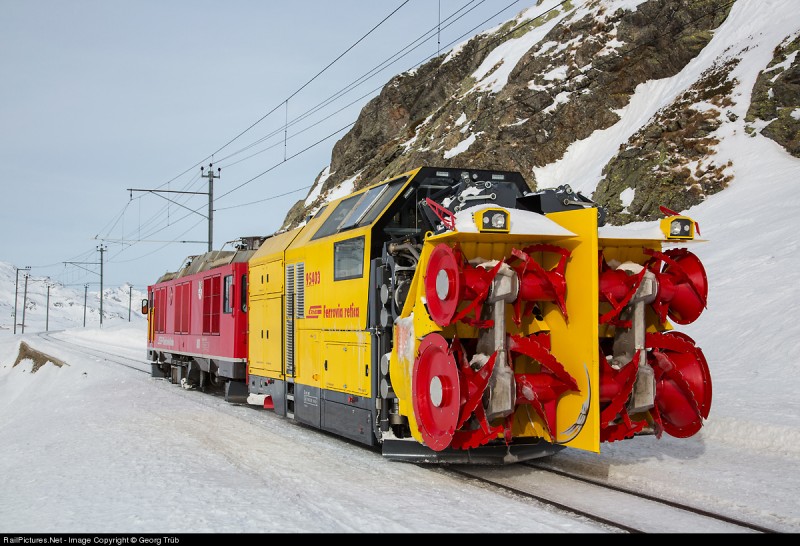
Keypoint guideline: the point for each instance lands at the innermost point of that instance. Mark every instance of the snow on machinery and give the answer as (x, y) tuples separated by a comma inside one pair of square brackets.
[(452, 315)]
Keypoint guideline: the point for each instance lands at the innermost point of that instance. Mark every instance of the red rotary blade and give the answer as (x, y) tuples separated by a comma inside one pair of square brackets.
[(435, 392), (683, 382)]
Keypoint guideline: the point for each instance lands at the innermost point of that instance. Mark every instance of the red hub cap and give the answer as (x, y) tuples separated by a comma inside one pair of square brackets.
[(436, 392), (443, 284)]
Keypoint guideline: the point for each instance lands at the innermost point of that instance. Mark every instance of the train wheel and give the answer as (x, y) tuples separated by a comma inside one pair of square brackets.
[(215, 380), (436, 392)]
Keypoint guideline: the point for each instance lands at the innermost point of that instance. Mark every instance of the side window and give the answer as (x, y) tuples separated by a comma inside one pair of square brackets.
[(186, 314), (178, 315), (348, 259), (243, 294), (227, 295), (211, 304), (160, 310)]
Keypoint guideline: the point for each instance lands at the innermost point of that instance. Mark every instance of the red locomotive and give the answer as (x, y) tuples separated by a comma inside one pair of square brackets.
[(197, 332)]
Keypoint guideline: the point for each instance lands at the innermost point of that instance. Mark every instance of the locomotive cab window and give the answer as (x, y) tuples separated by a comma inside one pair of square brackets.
[(227, 295), (331, 225), (348, 259), (367, 199), (361, 209), (389, 191)]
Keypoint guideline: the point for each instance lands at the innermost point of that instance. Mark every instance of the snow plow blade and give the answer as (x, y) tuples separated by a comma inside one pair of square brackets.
[(414, 452)]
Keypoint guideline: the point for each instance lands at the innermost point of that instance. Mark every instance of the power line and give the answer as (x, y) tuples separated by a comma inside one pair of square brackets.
[(156, 250), (284, 102), (452, 19), (351, 124), (318, 107), (312, 79), (395, 57), (323, 139), (265, 199)]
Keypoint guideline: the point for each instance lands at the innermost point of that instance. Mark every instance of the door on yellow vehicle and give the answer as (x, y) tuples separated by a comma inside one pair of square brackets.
[(266, 336), (308, 375), (347, 366)]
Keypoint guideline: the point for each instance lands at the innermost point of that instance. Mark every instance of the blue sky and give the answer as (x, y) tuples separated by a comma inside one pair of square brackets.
[(99, 97)]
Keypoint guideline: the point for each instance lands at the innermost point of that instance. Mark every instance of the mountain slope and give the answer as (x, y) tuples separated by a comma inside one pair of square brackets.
[(525, 96)]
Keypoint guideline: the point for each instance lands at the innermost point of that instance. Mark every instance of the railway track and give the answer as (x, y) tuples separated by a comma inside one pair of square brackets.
[(106, 356), (618, 509)]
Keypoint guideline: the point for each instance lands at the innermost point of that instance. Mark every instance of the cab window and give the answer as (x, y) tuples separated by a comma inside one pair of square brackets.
[(227, 295), (348, 259), (331, 225)]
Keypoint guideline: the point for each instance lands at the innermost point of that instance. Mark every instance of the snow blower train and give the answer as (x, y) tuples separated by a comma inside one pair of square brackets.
[(448, 315)]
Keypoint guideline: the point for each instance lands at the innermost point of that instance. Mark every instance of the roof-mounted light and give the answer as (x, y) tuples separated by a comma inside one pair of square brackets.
[(678, 227), (492, 220)]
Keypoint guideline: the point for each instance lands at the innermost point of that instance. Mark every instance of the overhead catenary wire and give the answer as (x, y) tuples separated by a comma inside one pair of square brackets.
[(323, 139), (151, 221), (157, 249), (259, 120), (297, 119), (395, 57), (155, 228), (270, 198), (292, 95), (307, 128), (286, 158), (455, 16)]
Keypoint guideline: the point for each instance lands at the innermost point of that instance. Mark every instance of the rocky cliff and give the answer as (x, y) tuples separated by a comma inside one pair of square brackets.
[(518, 96)]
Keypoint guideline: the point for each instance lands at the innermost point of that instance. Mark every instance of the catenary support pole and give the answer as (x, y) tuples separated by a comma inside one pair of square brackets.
[(211, 176), (47, 311), (101, 248), (85, 293), (16, 294), (24, 302)]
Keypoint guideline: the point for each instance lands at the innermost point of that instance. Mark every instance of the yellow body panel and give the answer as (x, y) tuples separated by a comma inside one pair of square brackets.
[(266, 307), (308, 352), (334, 316), (574, 341), (347, 357), (258, 280), (266, 337)]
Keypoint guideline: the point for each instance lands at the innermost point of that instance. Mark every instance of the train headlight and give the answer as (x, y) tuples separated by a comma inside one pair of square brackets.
[(492, 220), (678, 227)]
